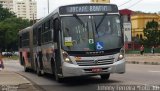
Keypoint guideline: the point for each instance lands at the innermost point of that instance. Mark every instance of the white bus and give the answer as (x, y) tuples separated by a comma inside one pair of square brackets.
[(75, 40)]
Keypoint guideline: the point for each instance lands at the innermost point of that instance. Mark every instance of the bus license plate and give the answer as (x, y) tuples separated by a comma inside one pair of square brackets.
[(96, 70)]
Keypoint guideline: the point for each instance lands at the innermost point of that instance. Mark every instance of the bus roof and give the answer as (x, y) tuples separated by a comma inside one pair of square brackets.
[(25, 30), (81, 8)]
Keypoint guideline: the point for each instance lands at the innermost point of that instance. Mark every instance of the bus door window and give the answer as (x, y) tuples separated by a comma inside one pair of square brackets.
[(52, 30), (56, 26), (39, 36)]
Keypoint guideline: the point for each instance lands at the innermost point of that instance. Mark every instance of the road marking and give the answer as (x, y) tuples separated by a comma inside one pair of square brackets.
[(154, 71), (153, 87)]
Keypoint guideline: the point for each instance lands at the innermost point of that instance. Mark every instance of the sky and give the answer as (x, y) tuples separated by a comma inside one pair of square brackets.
[(152, 6)]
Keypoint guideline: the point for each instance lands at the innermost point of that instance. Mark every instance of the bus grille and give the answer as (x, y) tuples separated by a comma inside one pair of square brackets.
[(95, 62)]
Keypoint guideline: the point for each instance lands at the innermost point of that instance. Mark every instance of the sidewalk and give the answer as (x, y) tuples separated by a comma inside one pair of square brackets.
[(11, 81), (145, 54), (152, 59)]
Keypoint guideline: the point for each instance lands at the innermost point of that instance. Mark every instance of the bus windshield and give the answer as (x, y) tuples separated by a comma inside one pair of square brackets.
[(91, 33)]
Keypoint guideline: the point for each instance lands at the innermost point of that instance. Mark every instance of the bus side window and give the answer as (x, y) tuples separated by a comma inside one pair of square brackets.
[(20, 41), (52, 30), (39, 35), (35, 36), (56, 24)]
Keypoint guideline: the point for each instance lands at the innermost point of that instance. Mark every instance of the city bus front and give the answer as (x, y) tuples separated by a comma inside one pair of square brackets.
[(92, 44)]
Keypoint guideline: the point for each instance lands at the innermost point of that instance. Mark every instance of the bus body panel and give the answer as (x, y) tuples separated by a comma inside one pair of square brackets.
[(70, 70), (85, 68), (25, 57), (47, 56), (26, 48)]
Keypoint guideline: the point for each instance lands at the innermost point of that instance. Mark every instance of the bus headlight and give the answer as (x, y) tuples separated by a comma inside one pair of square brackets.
[(67, 60), (121, 55), (66, 57)]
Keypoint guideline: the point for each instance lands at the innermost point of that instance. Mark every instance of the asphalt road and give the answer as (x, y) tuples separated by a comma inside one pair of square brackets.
[(136, 75)]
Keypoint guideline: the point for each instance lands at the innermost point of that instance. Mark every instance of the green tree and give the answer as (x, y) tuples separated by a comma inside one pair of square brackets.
[(151, 33), (9, 29), (5, 13)]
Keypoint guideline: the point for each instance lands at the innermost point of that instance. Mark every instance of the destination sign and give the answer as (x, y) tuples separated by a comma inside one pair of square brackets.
[(88, 8)]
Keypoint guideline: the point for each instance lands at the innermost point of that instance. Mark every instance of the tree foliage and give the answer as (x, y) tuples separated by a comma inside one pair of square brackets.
[(9, 27), (153, 25), (5, 13), (152, 34)]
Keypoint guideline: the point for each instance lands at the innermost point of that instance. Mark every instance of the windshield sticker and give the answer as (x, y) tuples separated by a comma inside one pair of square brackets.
[(91, 41), (99, 45), (68, 41)]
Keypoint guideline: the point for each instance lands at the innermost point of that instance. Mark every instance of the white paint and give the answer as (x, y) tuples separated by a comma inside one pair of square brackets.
[(127, 31), (154, 71)]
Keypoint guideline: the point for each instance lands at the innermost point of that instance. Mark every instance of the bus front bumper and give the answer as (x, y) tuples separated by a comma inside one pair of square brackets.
[(71, 70)]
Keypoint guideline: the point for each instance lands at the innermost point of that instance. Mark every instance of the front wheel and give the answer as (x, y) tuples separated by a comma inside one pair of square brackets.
[(26, 69), (38, 72), (105, 76), (57, 78)]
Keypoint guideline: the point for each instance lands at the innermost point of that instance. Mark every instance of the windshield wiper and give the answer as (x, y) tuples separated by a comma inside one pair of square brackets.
[(102, 19), (97, 26), (79, 20)]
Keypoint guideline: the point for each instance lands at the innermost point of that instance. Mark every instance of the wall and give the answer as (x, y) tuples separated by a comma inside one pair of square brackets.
[(139, 22)]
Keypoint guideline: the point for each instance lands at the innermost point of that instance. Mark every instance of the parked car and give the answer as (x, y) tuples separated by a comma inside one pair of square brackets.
[(7, 54)]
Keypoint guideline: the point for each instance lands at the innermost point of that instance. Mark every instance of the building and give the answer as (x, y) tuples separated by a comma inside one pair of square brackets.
[(139, 22), (7, 4), (100, 1), (126, 20), (26, 9), (126, 15)]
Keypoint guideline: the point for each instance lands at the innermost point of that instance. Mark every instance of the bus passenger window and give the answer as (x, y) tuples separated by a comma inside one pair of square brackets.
[(39, 36), (20, 42)]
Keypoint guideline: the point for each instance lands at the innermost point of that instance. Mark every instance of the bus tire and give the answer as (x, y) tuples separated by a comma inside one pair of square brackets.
[(105, 76), (25, 67), (57, 78), (38, 71)]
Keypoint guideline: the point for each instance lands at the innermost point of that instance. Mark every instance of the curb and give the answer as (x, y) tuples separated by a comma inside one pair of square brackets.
[(145, 63), (12, 81), (38, 88), (147, 54)]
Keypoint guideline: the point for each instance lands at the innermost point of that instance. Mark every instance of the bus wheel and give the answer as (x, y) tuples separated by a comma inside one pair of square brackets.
[(57, 78), (105, 76), (25, 67), (38, 71)]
